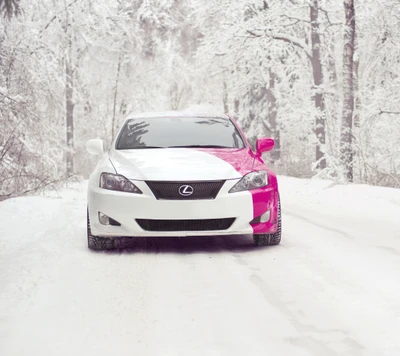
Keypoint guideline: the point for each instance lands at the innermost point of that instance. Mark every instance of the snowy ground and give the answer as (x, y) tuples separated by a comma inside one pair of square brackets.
[(331, 288)]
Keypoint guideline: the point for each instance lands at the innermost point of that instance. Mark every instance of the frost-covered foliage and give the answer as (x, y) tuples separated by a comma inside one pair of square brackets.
[(247, 43), (81, 66), (29, 151), (379, 93)]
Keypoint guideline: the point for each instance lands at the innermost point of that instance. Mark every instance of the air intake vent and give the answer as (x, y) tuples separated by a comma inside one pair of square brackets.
[(185, 225)]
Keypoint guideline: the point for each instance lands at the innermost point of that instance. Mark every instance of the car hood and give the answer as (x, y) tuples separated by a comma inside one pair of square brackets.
[(177, 164)]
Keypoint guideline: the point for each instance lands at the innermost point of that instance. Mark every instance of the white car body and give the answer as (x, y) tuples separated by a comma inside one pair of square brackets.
[(183, 165)]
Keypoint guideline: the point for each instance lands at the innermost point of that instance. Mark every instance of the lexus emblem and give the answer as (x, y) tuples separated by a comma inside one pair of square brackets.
[(186, 190)]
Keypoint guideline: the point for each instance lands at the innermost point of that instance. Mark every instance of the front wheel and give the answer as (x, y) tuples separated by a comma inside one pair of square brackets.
[(270, 239), (97, 242)]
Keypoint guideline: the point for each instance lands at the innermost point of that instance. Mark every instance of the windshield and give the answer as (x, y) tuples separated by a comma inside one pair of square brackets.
[(163, 132)]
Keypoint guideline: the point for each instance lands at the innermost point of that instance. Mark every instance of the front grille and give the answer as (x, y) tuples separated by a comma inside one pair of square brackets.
[(185, 225), (200, 190)]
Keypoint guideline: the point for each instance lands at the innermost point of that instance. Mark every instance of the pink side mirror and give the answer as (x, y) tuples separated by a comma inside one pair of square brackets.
[(264, 145)]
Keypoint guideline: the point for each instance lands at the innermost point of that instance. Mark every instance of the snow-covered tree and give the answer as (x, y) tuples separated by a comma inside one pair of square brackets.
[(71, 71)]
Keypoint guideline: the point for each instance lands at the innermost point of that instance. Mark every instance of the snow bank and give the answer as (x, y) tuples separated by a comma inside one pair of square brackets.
[(368, 211)]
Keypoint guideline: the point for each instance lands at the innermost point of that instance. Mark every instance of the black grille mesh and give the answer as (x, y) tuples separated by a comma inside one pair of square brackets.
[(185, 225), (170, 190)]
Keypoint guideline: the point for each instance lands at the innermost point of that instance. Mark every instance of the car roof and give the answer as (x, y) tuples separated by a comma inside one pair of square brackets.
[(176, 114)]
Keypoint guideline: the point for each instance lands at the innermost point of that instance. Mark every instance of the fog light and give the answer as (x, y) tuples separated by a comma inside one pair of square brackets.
[(104, 220), (265, 217)]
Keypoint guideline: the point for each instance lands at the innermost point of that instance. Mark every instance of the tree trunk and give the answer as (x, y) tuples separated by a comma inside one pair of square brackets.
[(115, 96), (333, 84), (357, 94), (236, 105), (346, 134), (69, 105), (318, 80), (225, 97), (272, 116), (358, 163)]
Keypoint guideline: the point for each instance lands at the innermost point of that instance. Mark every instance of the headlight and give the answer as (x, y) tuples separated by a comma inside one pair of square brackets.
[(117, 182), (251, 181)]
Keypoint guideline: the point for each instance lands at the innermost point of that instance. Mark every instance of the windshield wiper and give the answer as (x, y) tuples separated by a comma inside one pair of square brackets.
[(200, 146)]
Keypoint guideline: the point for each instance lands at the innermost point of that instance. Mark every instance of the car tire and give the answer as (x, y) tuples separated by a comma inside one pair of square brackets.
[(270, 239), (98, 243)]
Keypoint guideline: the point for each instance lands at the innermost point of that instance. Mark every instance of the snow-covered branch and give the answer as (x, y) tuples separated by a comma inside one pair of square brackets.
[(292, 40), (389, 112), (285, 38), (298, 19)]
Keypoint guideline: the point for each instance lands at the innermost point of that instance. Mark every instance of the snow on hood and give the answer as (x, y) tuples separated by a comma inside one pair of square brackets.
[(176, 164)]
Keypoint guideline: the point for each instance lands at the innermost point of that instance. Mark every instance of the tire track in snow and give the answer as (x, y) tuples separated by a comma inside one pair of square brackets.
[(311, 337)]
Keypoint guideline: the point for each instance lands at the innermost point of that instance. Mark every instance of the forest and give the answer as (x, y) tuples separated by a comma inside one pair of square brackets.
[(321, 77)]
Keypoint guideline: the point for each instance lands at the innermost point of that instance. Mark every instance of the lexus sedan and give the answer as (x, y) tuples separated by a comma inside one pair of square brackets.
[(177, 174)]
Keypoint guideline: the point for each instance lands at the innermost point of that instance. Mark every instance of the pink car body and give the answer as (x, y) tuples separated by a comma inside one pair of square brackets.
[(127, 191)]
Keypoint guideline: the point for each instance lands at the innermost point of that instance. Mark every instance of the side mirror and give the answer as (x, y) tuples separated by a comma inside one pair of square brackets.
[(95, 147), (264, 145)]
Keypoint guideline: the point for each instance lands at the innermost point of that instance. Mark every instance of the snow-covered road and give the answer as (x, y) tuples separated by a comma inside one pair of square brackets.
[(331, 288)]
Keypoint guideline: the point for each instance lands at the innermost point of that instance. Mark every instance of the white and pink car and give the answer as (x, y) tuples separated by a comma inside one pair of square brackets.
[(178, 174)]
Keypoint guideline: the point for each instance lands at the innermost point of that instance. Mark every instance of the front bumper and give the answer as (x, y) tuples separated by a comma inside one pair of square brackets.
[(125, 208)]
